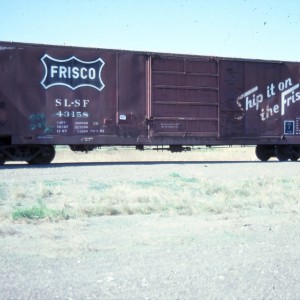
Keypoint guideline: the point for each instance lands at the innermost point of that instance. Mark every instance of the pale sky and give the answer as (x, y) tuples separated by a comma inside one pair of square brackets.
[(233, 28)]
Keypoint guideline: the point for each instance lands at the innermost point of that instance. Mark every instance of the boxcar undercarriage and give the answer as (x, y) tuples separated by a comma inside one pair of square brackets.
[(44, 154)]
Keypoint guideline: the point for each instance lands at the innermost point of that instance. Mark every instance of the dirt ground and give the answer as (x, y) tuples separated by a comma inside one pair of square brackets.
[(239, 256)]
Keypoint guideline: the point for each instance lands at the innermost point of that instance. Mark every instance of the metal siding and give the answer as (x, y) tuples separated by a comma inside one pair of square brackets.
[(251, 99), (231, 86), (184, 80), (131, 95), (167, 64), (8, 105), (184, 97)]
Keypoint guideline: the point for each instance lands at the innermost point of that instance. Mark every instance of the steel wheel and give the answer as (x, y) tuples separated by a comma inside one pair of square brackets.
[(264, 152), (294, 157), (283, 153), (45, 156), (2, 155)]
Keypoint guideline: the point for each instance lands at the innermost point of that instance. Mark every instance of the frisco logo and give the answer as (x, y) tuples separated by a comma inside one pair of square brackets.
[(72, 72)]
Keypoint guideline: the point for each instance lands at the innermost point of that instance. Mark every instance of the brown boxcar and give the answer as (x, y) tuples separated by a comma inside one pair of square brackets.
[(87, 98)]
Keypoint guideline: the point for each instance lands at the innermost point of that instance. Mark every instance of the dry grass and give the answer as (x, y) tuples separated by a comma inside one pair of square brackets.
[(170, 194), (174, 195)]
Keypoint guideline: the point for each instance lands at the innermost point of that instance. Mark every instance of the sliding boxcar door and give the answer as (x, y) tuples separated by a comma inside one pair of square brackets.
[(185, 97)]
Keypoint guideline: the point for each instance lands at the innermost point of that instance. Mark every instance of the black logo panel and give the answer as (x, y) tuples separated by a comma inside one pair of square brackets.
[(72, 72)]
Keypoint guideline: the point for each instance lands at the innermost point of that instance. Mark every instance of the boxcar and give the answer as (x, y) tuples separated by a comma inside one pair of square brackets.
[(88, 98)]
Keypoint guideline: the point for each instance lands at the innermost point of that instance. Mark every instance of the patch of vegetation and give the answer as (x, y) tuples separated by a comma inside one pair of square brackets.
[(177, 194), (41, 211), (169, 195), (174, 175), (97, 185), (35, 212)]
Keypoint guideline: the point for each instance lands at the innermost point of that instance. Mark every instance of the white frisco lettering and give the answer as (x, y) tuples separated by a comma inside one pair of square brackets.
[(72, 72), (53, 71), (75, 72), (293, 97), (62, 72), (83, 72), (92, 73)]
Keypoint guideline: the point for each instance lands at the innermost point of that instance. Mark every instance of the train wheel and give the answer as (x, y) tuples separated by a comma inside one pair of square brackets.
[(2, 160), (294, 157), (264, 152), (45, 156), (294, 153), (2, 155), (283, 153)]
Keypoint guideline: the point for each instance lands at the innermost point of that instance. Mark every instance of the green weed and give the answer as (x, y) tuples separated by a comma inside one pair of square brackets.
[(98, 186), (41, 211), (35, 212)]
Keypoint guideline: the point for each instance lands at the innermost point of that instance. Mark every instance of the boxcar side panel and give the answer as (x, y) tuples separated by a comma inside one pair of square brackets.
[(63, 98), (67, 95), (257, 99), (8, 89), (131, 97)]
